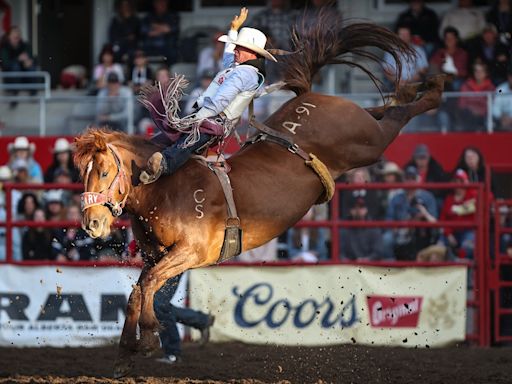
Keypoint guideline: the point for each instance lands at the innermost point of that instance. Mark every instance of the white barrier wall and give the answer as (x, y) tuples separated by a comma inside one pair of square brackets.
[(66, 306), (322, 305)]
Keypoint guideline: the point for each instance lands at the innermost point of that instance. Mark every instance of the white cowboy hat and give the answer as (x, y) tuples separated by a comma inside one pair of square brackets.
[(61, 145), (5, 173), (21, 142), (252, 39), (391, 167), (54, 195)]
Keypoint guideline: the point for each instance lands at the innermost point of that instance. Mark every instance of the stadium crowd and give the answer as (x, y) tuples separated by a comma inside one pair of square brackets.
[(471, 45)]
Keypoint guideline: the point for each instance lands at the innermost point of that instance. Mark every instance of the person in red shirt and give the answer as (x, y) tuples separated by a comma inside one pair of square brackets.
[(460, 206), (451, 59), (473, 109)]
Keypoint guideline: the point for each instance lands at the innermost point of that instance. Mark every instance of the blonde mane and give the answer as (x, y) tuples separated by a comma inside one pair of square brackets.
[(95, 140)]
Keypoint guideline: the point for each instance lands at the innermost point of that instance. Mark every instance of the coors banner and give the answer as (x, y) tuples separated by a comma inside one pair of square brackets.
[(321, 305)]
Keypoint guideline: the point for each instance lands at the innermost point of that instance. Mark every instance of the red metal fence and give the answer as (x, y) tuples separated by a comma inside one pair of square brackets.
[(479, 299)]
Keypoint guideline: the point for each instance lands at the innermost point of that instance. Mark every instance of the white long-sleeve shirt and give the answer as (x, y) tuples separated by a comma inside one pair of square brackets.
[(240, 79)]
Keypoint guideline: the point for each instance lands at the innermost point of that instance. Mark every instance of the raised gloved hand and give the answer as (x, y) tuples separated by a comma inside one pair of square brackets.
[(238, 20)]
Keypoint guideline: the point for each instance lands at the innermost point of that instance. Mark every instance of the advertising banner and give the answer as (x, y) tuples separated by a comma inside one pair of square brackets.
[(323, 305), (65, 306)]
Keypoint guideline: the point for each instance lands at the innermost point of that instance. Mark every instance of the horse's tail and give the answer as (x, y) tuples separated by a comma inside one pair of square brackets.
[(326, 39)]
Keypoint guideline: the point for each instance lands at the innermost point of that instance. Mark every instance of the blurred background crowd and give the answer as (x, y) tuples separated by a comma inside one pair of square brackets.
[(469, 42)]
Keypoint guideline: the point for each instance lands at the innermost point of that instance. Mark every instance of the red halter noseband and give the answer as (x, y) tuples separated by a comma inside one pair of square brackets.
[(90, 199)]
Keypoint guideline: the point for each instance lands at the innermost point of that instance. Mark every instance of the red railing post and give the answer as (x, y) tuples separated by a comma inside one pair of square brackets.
[(8, 223), (335, 238)]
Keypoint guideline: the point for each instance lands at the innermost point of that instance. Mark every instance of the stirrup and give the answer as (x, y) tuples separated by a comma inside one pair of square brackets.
[(146, 178)]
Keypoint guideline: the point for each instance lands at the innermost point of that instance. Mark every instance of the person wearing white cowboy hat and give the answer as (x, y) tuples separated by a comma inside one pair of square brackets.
[(221, 105), (62, 162), (391, 172), (23, 149)]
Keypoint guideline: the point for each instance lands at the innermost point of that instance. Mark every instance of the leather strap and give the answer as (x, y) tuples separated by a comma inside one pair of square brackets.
[(225, 182)]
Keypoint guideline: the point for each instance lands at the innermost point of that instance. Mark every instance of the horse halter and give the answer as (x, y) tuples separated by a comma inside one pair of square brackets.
[(90, 199)]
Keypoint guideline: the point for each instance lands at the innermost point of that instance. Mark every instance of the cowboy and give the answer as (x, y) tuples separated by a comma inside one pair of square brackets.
[(24, 150), (223, 102)]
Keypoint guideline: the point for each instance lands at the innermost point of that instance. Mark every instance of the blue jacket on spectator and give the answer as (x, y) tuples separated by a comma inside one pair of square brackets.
[(400, 208)]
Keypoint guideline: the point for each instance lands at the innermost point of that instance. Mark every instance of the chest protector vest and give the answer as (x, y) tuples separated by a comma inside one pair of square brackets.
[(237, 106)]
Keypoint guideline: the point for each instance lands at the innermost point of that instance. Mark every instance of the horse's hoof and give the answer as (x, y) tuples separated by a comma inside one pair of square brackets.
[(122, 368)]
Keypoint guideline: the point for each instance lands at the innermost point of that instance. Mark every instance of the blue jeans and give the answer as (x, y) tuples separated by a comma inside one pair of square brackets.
[(175, 156), (168, 315)]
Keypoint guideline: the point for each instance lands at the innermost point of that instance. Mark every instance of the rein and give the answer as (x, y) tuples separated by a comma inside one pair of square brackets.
[(91, 199)]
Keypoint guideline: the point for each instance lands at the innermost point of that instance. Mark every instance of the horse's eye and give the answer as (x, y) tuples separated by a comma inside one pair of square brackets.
[(104, 174)]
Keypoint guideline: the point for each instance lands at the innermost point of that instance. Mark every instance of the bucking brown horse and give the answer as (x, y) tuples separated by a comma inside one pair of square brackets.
[(179, 221)]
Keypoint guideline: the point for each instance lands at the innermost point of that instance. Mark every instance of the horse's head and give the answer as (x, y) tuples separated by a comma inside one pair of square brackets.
[(106, 185)]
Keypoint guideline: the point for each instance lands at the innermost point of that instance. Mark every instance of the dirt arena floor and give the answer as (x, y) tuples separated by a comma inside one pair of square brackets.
[(239, 363)]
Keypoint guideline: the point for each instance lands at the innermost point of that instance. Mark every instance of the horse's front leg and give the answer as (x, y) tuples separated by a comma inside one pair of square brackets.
[(171, 265), (128, 342)]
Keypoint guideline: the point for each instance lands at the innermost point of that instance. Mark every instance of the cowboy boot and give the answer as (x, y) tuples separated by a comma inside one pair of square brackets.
[(155, 167), (205, 332)]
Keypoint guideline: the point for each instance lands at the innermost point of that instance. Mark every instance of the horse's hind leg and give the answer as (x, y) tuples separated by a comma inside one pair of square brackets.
[(395, 117), (128, 342), (407, 93)]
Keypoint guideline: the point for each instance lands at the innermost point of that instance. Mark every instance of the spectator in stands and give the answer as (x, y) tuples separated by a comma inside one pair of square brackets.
[(424, 25), (469, 20), (360, 243), (390, 173), (413, 70), (502, 106), (277, 19), (451, 59), (160, 32), (27, 205), (22, 149), (411, 204), (16, 56), (124, 31), (62, 162), (73, 77), (105, 67), (460, 206), (6, 176), (360, 176), (112, 248), (307, 244), (113, 104), (205, 80), (37, 241), (473, 110), (163, 75), (488, 50), (429, 169), (210, 57), (73, 244), (500, 15), (140, 72), (54, 205), (472, 162)]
